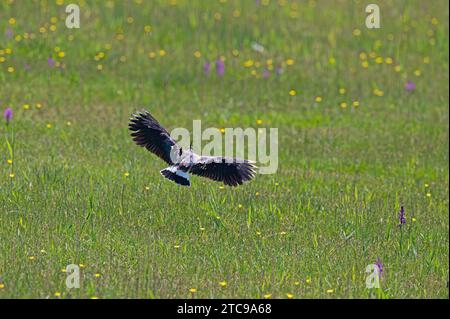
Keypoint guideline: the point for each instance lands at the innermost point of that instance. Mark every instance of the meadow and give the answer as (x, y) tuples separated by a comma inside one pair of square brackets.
[(363, 128)]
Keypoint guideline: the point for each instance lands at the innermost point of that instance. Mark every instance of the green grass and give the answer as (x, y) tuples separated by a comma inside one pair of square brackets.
[(329, 211)]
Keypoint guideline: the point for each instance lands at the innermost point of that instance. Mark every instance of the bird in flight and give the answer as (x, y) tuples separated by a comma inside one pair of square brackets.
[(148, 133)]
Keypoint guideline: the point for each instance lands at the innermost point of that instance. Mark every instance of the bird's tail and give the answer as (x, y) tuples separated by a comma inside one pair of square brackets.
[(175, 174)]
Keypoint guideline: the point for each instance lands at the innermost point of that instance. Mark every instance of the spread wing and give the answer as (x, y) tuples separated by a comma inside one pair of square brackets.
[(148, 133), (231, 172)]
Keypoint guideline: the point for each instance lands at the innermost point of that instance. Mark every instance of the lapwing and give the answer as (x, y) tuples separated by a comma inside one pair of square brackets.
[(148, 133)]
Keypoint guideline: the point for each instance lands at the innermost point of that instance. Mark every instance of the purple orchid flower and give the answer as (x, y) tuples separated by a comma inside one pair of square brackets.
[(51, 62), (401, 217), (379, 265), (8, 115), (220, 67), (410, 86)]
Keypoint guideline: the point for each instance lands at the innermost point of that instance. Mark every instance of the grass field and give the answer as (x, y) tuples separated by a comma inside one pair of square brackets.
[(355, 144)]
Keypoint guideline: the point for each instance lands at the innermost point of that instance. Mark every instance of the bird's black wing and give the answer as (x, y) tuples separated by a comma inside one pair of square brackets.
[(231, 172), (148, 133)]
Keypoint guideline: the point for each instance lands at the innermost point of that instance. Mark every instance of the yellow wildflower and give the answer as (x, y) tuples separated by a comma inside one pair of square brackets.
[(379, 60), (378, 92), (248, 63)]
